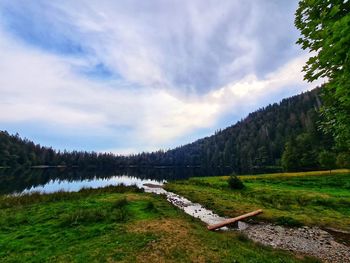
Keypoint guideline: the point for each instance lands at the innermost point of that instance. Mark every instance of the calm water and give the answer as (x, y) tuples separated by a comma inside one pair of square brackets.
[(22, 181), (55, 179), (75, 185)]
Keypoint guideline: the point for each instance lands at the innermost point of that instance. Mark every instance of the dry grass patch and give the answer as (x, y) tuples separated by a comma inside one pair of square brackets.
[(295, 174), (176, 243)]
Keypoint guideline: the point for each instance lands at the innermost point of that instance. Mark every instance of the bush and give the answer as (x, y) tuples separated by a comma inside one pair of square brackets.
[(235, 183)]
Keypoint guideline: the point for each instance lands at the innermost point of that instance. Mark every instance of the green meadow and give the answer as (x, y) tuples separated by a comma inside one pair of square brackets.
[(310, 198), (120, 224)]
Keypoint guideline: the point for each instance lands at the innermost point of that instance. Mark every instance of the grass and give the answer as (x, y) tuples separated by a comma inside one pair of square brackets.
[(116, 224), (309, 198)]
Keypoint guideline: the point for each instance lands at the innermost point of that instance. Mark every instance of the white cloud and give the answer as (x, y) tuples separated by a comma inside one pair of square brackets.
[(182, 46), (163, 53)]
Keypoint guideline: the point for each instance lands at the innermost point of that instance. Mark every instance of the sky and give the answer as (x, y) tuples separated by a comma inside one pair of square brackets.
[(131, 76)]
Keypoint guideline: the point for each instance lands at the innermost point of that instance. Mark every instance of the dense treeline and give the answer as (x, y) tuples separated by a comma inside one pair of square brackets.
[(280, 136), (15, 151)]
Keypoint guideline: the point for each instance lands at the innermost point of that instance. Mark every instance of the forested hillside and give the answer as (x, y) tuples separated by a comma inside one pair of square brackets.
[(280, 136), (15, 151), (257, 143)]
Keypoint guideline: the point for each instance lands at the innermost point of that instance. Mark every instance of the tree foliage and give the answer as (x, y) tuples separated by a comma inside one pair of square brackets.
[(343, 160), (290, 157), (327, 160), (15, 151), (325, 30), (256, 144)]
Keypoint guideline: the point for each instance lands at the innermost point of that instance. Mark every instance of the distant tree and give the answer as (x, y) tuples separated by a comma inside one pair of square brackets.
[(290, 159), (306, 151), (325, 30), (343, 160), (327, 160), (262, 156)]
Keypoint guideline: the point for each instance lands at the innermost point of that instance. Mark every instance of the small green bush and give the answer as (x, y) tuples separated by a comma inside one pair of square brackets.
[(235, 183)]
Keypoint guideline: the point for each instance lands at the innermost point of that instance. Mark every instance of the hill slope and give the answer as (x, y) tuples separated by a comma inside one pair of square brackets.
[(254, 144), (257, 142)]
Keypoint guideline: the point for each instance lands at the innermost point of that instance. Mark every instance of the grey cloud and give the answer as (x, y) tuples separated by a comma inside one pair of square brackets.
[(183, 46)]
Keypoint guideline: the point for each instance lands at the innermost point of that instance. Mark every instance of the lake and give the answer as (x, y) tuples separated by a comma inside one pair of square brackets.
[(27, 180)]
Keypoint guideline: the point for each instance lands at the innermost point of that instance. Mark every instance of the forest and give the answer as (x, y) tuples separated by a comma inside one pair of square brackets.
[(283, 136)]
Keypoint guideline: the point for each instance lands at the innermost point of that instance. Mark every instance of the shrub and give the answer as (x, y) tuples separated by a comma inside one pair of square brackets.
[(235, 183)]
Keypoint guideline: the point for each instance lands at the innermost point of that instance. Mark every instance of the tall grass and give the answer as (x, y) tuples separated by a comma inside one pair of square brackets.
[(150, 207), (36, 197), (94, 215), (116, 212)]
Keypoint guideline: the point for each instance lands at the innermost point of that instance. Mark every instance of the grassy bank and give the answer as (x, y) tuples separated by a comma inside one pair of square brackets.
[(311, 198), (116, 224)]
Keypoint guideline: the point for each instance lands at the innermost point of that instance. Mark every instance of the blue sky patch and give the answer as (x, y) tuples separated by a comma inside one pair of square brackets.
[(98, 72)]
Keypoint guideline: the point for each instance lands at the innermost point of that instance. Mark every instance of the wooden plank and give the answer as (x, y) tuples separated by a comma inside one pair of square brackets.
[(233, 220)]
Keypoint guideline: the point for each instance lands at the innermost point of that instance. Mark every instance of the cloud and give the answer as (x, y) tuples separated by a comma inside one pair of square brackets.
[(182, 46), (142, 75)]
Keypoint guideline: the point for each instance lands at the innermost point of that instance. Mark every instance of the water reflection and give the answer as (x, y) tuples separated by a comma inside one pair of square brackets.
[(54, 179), (74, 186)]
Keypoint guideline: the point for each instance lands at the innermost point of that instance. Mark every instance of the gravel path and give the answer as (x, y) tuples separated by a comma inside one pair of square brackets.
[(306, 240)]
